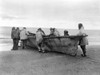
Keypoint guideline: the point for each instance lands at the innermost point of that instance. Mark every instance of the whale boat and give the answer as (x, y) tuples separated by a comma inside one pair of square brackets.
[(63, 44)]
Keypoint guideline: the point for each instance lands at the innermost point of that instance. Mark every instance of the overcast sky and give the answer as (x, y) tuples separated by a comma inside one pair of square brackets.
[(50, 13)]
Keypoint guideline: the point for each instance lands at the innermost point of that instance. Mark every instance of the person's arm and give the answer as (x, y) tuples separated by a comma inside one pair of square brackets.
[(58, 34), (82, 34), (43, 32), (12, 34), (27, 33)]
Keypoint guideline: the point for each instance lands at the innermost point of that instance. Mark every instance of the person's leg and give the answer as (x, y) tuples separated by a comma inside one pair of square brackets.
[(25, 43), (13, 44), (42, 47), (17, 44), (39, 47), (22, 44), (83, 47), (14, 48), (85, 50)]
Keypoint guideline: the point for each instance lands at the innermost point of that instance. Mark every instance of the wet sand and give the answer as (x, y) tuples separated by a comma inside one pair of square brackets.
[(31, 62)]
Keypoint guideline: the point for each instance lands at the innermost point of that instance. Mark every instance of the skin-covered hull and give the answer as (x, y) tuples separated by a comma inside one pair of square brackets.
[(68, 45)]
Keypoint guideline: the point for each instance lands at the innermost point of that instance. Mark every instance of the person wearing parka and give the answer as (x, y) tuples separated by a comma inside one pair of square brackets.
[(23, 37), (83, 41), (66, 33), (15, 36), (39, 39), (12, 37), (56, 32)]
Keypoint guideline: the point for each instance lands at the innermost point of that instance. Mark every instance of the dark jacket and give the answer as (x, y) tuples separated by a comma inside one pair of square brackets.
[(15, 34)]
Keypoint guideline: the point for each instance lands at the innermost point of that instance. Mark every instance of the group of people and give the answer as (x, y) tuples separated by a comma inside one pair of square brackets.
[(17, 35), (22, 35), (39, 37)]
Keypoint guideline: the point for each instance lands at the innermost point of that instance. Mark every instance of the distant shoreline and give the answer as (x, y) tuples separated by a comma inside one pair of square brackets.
[(5, 38)]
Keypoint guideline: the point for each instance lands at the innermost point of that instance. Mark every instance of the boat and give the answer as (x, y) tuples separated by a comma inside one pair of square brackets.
[(63, 44)]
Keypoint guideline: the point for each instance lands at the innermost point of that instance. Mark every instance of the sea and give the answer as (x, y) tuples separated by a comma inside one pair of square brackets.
[(6, 41)]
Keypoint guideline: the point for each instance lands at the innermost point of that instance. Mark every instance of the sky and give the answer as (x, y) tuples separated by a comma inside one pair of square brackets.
[(50, 13)]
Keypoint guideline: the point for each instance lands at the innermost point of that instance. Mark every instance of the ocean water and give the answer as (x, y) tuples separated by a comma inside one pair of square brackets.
[(6, 41)]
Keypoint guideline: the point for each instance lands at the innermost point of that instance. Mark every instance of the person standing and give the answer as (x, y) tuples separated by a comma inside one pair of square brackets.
[(23, 37), (15, 37), (12, 37), (83, 41)]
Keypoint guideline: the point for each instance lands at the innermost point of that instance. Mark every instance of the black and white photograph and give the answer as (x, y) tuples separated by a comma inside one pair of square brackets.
[(49, 37)]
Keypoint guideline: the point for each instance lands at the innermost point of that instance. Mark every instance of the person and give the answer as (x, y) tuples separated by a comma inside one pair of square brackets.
[(66, 33), (15, 37), (39, 39), (51, 32), (56, 32), (12, 37), (23, 37), (83, 41)]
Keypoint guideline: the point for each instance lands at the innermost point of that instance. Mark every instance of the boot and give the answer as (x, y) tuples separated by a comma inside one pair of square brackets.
[(83, 55)]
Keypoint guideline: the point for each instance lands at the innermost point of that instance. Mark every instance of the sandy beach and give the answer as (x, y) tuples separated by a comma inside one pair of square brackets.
[(75, 16), (31, 62)]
